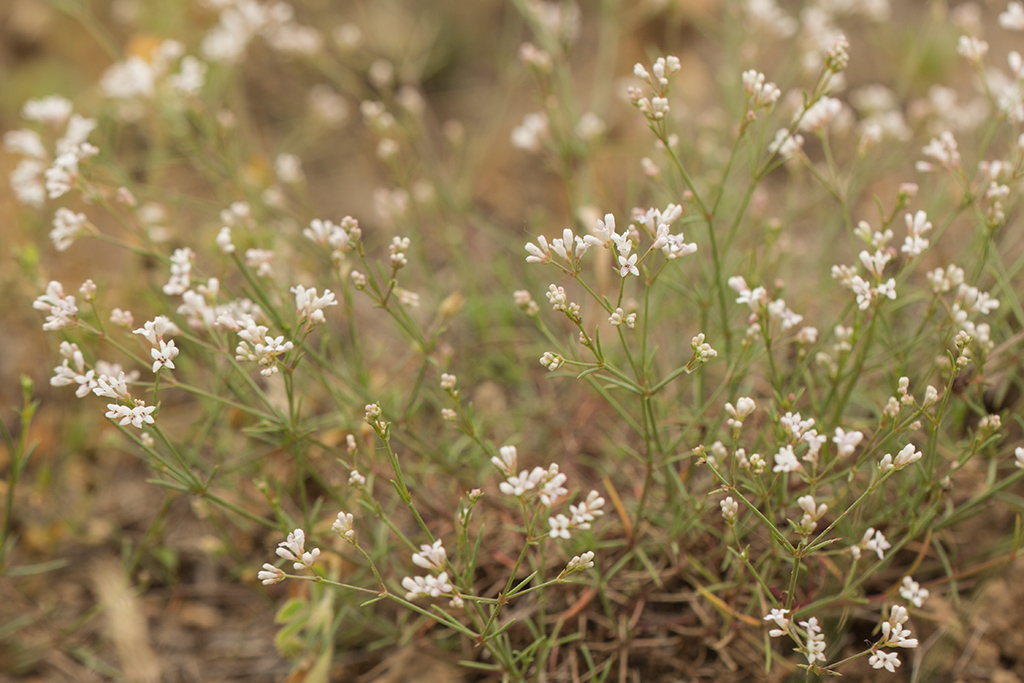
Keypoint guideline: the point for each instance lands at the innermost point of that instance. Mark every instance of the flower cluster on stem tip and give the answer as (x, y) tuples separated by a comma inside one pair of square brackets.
[(293, 550), (433, 558)]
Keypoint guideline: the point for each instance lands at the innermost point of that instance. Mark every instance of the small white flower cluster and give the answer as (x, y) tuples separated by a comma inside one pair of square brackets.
[(917, 226), (532, 133), (816, 117), (525, 302), (548, 487), (240, 21), (970, 302), (257, 346), (911, 590), (163, 352), (1013, 18), (396, 251), (181, 271), (777, 315), (943, 152), (874, 541), (799, 430), (846, 441), (105, 379), (655, 108), (865, 291), (552, 361), (619, 316), (702, 352), (786, 144), (67, 226), (433, 558), (894, 634), (260, 260), (760, 93), (448, 383), (579, 562), (903, 397), (581, 516), (729, 510), (343, 524), (907, 456), (812, 513), (740, 412), (166, 73), (293, 550), (59, 307), (309, 306), (40, 174), (658, 223), (338, 238), (814, 645)]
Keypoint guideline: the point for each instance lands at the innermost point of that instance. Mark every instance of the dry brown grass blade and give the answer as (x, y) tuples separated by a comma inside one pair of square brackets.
[(721, 606), (126, 624), (620, 508)]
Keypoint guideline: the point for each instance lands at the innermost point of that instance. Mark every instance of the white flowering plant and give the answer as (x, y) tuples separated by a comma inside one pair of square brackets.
[(772, 375)]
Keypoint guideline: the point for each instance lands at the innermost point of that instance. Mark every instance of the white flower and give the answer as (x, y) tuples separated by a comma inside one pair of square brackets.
[(530, 135), (894, 633), (508, 460), (786, 144), (780, 619), (224, 241), (819, 114), (551, 490), (552, 361), (1013, 18), (164, 355), (911, 590), (815, 647), (628, 266), (426, 586), (260, 260), (909, 454), (1018, 454), (52, 110), (729, 509), (888, 660), (584, 513), (293, 550), (309, 306), (619, 317), (973, 49), (431, 557), (525, 481), (60, 309), (846, 442), (785, 460), (559, 526), (270, 574), (112, 387), (580, 562), (743, 408), (288, 169), (343, 524), (604, 234), (702, 351), (67, 225), (874, 541), (181, 269), (136, 415)]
